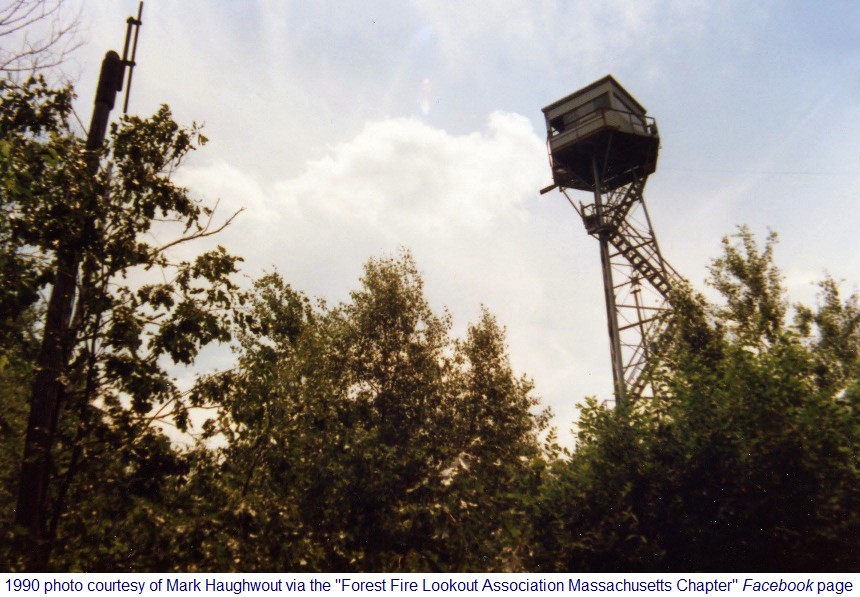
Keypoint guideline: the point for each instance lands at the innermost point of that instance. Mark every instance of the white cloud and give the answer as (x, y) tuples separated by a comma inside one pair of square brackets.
[(398, 182)]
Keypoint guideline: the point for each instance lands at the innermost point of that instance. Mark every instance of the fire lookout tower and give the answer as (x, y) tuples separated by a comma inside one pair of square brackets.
[(601, 141)]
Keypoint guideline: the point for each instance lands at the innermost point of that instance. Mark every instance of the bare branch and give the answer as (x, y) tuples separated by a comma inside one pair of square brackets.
[(203, 233), (36, 35)]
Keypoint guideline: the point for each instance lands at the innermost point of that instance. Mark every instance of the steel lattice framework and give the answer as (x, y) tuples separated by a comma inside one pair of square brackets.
[(600, 141), (637, 281)]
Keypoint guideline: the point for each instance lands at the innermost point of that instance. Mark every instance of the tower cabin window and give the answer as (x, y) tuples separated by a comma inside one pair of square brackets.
[(633, 116), (619, 104), (580, 114)]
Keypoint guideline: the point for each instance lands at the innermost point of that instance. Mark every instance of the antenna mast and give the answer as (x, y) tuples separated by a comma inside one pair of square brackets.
[(132, 24)]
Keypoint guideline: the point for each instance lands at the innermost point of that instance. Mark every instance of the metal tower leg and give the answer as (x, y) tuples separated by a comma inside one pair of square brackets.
[(636, 281), (609, 290)]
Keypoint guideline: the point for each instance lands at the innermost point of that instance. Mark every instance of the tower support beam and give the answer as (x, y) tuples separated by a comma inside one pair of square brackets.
[(609, 289)]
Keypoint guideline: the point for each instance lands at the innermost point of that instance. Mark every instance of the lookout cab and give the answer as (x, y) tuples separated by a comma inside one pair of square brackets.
[(600, 132)]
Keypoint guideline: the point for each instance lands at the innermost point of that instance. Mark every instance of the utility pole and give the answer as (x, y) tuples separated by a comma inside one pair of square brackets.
[(48, 390)]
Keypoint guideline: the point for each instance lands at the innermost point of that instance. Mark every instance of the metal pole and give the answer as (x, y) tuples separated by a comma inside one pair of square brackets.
[(642, 331), (47, 393), (609, 291)]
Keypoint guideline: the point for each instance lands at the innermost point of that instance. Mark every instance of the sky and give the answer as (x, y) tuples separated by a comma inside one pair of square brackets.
[(354, 130)]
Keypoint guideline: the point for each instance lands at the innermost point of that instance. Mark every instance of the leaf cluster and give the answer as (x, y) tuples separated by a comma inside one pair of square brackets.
[(362, 437)]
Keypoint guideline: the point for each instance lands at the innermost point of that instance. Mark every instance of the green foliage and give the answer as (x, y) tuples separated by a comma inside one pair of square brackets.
[(361, 437), (833, 334), (16, 370), (32, 118), (748, 458), (751, 286), (137, 308)]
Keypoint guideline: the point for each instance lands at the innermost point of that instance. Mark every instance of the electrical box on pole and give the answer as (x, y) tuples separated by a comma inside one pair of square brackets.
[(600, 140)]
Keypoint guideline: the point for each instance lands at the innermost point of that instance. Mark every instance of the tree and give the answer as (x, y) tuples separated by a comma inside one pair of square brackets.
[(751, 287), (748, 457), (361, 437), (832, 332), (135, 305), (36, 35)]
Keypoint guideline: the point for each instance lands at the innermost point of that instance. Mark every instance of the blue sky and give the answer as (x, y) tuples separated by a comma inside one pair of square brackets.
[(349, 130)]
